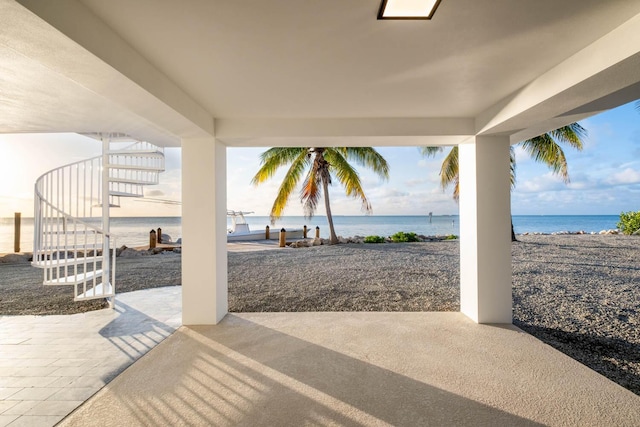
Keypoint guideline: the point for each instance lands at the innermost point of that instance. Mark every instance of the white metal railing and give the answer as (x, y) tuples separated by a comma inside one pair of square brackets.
[(72, 242), (69, 243)]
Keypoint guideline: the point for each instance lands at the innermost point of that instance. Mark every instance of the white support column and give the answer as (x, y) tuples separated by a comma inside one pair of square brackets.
[(485, 233), (204, 231)]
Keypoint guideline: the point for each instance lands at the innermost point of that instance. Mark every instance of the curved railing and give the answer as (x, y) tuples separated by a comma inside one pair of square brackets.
[(72, 242)]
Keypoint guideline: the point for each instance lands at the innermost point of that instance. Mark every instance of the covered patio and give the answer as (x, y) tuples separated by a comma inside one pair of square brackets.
[(206, 75)]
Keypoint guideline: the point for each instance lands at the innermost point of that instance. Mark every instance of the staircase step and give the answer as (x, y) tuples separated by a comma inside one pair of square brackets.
[(111, 205), (99, 291), (124, 194), (131, 181), (65, 261), (138, 153), (74, 279), (136, 167)]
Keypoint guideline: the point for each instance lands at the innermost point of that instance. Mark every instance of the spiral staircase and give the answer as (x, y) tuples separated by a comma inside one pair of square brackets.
[(72, 240)]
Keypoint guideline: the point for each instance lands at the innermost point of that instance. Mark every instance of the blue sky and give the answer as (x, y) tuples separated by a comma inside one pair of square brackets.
[(605, 177)]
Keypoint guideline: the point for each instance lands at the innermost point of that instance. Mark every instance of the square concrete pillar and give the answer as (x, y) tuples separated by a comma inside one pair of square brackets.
[(485, 230), (204, 231)]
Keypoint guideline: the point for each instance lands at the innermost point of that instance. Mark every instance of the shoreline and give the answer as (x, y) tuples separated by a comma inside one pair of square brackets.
[(273, 244)]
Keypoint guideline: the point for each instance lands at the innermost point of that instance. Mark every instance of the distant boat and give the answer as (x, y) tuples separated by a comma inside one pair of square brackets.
[(240, 230)]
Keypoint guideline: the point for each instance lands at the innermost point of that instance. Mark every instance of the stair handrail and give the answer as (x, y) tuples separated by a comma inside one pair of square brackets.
[(68, 215), (60, 207)]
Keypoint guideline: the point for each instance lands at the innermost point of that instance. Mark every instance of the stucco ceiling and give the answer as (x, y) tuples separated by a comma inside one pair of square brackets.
[(312, 59), (332, 58)]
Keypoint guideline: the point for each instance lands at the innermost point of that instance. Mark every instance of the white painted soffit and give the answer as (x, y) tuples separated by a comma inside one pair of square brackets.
[(338, 132), (604, 75), (56, 85)]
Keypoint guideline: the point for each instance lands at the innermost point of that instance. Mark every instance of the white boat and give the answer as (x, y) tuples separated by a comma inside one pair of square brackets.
[(240, 230)]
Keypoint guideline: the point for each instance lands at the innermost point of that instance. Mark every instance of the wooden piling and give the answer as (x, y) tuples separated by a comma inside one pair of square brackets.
[(283, 238), (304, 232), (159, 235), (317, 232), (152, 239), (16, 238)]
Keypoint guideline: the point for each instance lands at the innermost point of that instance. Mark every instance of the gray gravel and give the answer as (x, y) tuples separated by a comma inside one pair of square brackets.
[(578, 293), (581, 295), (365, 277)]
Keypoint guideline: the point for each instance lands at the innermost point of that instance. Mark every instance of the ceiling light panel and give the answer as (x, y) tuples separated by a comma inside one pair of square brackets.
[(407, 9)]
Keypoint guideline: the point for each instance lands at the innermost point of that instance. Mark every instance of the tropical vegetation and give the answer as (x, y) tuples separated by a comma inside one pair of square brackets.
[(319, 166), (401, 236), (374, 239), (544, 148), (629, 222)]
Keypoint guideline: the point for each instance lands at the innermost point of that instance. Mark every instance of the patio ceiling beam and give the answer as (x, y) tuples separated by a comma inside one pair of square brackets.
[(606, 67), (104, 64), (338, 131)]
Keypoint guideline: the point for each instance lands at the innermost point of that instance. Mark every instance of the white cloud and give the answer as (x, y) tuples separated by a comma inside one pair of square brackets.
[(546, 182), (627, 176), (416, 182)]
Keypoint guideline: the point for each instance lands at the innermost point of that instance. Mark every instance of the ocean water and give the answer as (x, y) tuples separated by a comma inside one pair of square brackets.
[(134, 231)]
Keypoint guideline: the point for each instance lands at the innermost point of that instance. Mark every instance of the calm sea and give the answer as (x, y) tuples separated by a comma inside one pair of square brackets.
[(134, 231)]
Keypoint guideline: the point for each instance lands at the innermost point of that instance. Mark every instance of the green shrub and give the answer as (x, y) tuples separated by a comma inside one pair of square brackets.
[(451, 237), (374, 239), (629, 222), (401, 236)]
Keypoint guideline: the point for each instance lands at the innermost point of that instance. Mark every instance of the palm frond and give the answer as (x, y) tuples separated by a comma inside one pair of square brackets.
[(512, 165), (544, 149), (456, 188), (289, 183), (273, 159), (430, 151), (450, 170), (572, 135), (348, 177), (367, 157), (311, 193)]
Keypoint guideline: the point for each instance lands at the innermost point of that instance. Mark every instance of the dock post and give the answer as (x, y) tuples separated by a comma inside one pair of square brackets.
[(304, 232), (16, 238), (266, 233), (317, 232), (152, 239), (159, 235), (283, 237)]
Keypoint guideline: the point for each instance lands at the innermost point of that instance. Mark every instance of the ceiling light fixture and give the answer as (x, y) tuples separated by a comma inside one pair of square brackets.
[(408, 9)]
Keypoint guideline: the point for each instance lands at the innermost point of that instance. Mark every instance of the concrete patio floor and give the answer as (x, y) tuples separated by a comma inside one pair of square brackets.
[(291, 369), (359, 369)]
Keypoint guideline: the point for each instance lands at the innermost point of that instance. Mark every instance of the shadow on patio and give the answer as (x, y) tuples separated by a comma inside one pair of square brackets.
[(357, 369)]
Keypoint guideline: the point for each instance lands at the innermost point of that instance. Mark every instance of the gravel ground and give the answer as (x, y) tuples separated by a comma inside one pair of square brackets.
[(372, 277), (579, 294), (22, 292)]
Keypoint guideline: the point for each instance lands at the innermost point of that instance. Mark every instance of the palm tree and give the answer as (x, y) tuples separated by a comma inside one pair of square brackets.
[(544, 148), (320, 164)]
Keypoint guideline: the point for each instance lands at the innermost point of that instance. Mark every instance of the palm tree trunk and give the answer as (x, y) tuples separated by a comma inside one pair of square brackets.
[(333, 239)]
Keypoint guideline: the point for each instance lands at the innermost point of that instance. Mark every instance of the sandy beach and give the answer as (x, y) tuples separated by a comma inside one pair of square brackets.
[(578, 293)]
